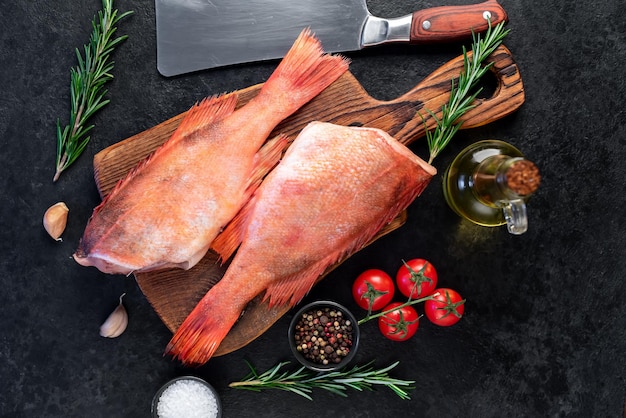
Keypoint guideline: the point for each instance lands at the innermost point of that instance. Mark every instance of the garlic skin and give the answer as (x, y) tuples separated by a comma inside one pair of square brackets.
[(55, 220), (116, 323)]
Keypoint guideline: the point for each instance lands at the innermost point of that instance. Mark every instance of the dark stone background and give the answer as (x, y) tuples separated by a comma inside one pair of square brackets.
[(544, 331)]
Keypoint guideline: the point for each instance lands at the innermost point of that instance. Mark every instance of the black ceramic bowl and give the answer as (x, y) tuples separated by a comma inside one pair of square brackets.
[(327, 341), (186, 396)]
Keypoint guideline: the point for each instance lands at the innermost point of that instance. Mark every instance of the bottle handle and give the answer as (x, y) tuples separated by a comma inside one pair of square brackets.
[(515, 216)]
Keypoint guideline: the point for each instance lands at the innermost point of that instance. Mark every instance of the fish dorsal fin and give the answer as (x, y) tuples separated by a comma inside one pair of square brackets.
[(209, 110), (266, 158)]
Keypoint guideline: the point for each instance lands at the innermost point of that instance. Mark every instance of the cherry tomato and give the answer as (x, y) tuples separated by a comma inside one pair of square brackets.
[(400, 324), (373, 289), (446, 308), (416, 278)]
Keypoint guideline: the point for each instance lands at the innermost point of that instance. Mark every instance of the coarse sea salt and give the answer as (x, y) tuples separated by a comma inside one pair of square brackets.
[(187, 398)]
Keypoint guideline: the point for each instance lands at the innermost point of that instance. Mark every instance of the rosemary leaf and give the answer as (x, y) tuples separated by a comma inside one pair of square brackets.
[(302, 392), (86, 86), (302, 382), (461, 98)]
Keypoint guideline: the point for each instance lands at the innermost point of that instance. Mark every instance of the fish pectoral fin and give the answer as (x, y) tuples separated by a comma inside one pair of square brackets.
[(292, 289)]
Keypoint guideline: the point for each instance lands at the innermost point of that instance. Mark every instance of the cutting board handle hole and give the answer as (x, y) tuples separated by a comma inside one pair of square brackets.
[(489, 84)]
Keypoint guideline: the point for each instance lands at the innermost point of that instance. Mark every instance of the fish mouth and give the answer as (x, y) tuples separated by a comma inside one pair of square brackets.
[(109, 266), (101, 264)]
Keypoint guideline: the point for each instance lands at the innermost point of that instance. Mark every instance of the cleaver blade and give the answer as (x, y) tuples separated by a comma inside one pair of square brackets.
[(195, 35)]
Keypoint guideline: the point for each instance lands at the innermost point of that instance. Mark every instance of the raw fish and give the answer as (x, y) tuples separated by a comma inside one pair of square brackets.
[(335, 188), (170, 208)]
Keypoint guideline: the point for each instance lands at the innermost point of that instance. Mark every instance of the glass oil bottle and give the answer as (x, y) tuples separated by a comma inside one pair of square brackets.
[(489, 182)]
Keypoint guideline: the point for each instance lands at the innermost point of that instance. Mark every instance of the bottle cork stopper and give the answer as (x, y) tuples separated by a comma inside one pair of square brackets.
[(523, 177)]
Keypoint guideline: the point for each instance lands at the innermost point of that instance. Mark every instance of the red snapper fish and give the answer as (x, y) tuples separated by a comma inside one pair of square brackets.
[(169, 209), (335, 188)]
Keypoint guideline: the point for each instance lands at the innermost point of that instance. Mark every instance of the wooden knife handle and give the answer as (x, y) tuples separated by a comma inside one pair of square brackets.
[(454, 23)]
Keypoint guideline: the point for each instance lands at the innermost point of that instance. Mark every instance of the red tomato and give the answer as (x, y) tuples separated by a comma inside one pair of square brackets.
[(400, 324), (416, 278), (373, 289), (446, 308)]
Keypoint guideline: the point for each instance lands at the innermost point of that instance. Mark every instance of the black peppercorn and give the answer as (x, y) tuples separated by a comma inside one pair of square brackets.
[(323, 336)]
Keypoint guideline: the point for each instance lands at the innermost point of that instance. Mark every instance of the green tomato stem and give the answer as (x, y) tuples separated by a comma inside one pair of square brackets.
[(407, 303)]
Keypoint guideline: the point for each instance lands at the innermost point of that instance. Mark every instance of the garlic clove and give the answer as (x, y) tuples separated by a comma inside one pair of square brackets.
[(55, 220), (116, 323)]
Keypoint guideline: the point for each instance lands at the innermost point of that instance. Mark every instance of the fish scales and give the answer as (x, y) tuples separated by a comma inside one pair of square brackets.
[(169, 209), (335, 188)]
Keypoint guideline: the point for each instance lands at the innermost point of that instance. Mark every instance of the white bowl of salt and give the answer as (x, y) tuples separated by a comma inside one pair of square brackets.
[(186, 396)]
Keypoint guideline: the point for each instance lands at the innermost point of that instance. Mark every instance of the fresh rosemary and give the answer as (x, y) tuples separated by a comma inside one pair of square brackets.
[(87, 85), (302, 381), (461, 96)]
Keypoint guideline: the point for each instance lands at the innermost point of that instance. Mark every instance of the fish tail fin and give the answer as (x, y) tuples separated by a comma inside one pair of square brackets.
[(303, 73), (201, 333), (268, 156)]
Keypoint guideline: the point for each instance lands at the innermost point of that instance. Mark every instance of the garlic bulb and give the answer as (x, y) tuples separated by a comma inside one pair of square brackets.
[(55, 220), (116, 323)]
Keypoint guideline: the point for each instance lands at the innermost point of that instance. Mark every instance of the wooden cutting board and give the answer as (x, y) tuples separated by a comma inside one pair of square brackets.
[(174, 293)]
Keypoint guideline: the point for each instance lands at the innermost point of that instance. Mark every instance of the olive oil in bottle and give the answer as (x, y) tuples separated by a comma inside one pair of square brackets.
[(489, 182)]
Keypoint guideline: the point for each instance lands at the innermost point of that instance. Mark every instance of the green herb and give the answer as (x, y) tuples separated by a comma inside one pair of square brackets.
[(302, 381), (86, 88), (461, 97)]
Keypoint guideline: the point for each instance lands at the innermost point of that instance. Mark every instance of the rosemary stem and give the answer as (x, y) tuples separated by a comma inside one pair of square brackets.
[(61, 164), (302, 382), (246, 383), (78, 120)]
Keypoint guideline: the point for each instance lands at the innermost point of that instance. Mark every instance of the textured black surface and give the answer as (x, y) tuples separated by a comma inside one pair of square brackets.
[(545, 329)]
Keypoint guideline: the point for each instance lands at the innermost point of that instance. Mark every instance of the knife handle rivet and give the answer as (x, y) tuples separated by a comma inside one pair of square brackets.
[(426, 24), (487, 15)]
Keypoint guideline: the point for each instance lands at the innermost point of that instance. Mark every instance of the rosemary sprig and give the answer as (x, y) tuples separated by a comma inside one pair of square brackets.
[(302, 382), (86, 88), (460, 97)]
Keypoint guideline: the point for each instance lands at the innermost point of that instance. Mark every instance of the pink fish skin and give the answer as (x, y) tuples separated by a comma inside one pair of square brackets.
[(335, 188), (169, 209)]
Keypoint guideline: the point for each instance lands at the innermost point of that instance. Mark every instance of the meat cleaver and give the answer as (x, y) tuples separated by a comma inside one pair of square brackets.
[(195, 35)]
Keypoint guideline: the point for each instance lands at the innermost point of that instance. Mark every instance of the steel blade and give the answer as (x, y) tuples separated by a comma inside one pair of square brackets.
[(194, 35)]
